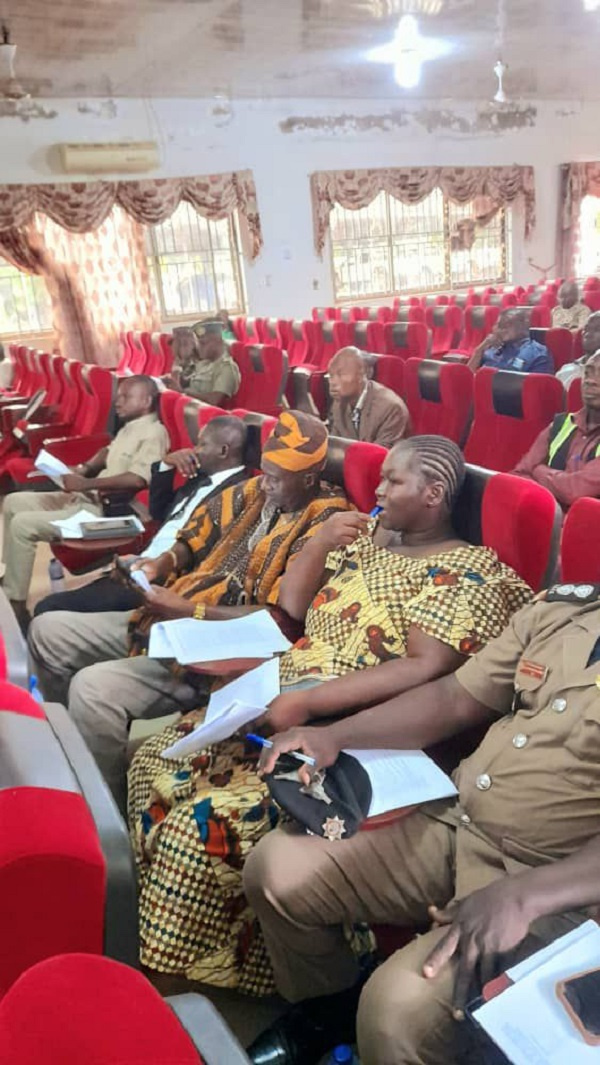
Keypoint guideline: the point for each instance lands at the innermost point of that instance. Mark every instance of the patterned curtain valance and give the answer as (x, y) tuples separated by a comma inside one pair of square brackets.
[(578, 180), (83, 206), (498, 185)]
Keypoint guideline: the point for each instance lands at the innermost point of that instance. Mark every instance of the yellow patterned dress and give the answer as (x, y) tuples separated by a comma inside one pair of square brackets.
[(194, 821)]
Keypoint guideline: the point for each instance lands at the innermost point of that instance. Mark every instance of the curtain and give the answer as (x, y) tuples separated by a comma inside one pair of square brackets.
[(97, 281), (82, 206), (577, 181), (489, 188)]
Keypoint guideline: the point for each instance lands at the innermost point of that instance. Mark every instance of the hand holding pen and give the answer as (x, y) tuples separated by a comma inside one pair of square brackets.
[(315, 747)]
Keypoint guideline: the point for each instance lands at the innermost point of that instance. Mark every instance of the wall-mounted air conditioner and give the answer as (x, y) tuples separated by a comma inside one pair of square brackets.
[(110, 158)]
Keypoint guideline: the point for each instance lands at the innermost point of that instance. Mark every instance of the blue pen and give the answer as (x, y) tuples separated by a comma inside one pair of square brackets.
[(268, 743), (376, 511)]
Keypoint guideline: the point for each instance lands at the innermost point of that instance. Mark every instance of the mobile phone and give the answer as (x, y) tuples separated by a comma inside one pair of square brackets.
[(580, 996), (123, 568)]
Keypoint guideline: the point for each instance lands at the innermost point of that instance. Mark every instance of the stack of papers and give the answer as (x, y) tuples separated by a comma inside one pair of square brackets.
[(52, 467), (231, 708), (402, 778), (527, 1021), (70, 528), (189, 641)]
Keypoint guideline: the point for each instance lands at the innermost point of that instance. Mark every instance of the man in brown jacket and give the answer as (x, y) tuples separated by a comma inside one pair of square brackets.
[(362, 409)]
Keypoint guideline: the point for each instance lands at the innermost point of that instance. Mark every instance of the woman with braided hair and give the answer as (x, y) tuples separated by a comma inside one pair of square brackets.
[(388, 603)]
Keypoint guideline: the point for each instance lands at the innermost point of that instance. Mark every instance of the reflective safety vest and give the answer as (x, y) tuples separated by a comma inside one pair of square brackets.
[(561, 432)]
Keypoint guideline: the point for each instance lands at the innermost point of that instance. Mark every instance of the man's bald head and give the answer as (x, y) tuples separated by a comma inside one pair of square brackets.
[(513, 324), (590, 338), (347, 374), (568, 294)]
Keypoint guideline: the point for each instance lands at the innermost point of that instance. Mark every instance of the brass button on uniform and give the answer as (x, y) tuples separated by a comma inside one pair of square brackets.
[(520, 740), (465, 819), (559, 706), (484, 782)]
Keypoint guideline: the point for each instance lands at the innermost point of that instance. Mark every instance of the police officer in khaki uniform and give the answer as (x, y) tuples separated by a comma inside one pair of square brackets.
[(489, 877), (122, 467), (214, 376)]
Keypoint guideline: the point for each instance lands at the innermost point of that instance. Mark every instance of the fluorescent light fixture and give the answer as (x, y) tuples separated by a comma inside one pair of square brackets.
[(408, 51)]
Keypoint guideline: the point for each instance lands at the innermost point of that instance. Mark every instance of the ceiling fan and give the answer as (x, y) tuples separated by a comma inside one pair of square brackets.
[(15, 101)]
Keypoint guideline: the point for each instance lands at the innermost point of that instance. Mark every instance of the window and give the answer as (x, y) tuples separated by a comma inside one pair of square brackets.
[(24, 302), (195, 264), (391, 247), (587, 262)]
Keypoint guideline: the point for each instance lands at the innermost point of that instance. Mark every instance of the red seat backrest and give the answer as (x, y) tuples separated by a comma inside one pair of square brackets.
[(445, 322), (166, 347), (408, 314), (16, 700), (574, 395), (269, 332), (540, 317), (465, 299), (101, 384), (558, 341), (479, 323), (591, 297), (252, 327), (362, 473), (579, 555), (439, 396), (368, 336), (114, 1015), (521, 520), (154, 356), (264, 372), (167, 403), (510, 409), (137, 362), (407, 340), (388, 371)]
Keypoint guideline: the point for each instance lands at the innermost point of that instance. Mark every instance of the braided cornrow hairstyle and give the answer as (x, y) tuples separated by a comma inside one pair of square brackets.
[(439, 459)]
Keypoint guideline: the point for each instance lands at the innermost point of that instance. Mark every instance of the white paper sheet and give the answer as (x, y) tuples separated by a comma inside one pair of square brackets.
[(402, 778), (528, 1022), (253, 636), (257, 687), (70, 528), (140, 578), (51, 467), (235, 717)]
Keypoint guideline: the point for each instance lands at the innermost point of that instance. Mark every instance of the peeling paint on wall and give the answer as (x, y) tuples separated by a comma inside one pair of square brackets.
[(434, 120)]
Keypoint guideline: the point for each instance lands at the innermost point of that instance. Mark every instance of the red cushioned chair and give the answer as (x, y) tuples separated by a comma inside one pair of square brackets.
[(263, 371), (406, 301), (154, 354), (445, 323), (383, 314), (324, 314), (368, 336), (431, 300), (388, 371), (591, 297), (138, 357), (406, 340), (465, 299), (510, 409), (579, 555), (408, 314), (269, 332), (301, 343), (439, 397), (521, 521), (77, 1008), (574, 396), (238, 328), (578, 344), (479, 323), (252, 329), (500, 299), (540, 317), (558, 341), (329, 337), (356, 466)]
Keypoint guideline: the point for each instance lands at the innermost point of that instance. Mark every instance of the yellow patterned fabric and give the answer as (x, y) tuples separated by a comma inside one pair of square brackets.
[(362, 616)]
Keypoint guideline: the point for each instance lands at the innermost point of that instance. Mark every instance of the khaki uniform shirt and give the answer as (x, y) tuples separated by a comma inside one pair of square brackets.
[(136, 446), (532, 787), (222, 375), (573, 317), (383, 419)]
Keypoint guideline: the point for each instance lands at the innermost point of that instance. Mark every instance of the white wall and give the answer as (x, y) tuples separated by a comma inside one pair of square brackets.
[(288, 278)]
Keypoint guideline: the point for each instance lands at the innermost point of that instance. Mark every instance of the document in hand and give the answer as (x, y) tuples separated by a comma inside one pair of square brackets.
[(51, 467), (230, 708), (402, 778), (189, 641), (527, 1021)]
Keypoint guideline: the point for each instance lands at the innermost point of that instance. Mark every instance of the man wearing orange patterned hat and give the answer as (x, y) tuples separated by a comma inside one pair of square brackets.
[(227, 561)]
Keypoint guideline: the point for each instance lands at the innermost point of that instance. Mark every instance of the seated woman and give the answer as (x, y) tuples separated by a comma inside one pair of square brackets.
[(389, 604)]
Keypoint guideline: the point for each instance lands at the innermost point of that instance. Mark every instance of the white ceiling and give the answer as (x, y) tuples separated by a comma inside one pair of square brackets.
[(300, 48)]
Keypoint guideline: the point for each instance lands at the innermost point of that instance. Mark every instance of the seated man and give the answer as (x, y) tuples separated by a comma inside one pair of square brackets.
[(495, 873), (509, 347), (214, 377), (122, 467), (565, 458), (590, 342), (226, 562), (363, 409), (569, 313), (215, 463)]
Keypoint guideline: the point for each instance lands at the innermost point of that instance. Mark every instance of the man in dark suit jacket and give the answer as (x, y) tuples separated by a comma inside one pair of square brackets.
[(216, 462)]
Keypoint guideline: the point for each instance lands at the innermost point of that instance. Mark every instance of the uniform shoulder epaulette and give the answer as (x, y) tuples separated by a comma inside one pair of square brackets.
[(573, 593)]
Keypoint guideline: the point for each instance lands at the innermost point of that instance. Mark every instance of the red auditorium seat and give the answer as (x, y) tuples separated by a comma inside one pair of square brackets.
[(269, 331), (368, 336), (579, 556), (408, 314), (510, 409), (445, 322), (384, 314), (500, 299), (329, 338), (540, 317), (521, 521), (558, 341), (154, 354), (238, 327), (406, 301), (439, 397), (388, 371), (264, 374), (138, 357), (166, 346), (357, 466), (479, 323), (578, 344), (76, 1008), (465, 299), (591, 297), (252, 328), (324, 314), (301, 345), (406, 340), (574, 396), (431, 300)]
